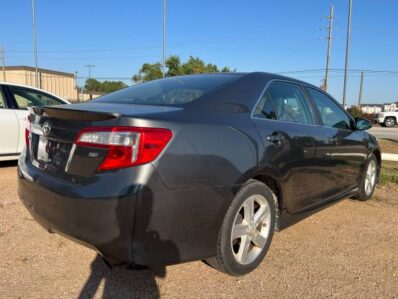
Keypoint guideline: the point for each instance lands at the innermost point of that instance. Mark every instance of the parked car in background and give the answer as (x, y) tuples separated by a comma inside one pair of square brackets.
[(14, 103), (200, 167), (387, 119)]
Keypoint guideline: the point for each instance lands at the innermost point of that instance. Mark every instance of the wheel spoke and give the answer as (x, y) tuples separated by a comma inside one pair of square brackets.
[(244, 249), (239, 230), (259, 240), (248, 210), (260, 215)]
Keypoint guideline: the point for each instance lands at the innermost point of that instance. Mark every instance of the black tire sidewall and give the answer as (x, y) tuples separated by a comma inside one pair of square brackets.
[(230, 265)]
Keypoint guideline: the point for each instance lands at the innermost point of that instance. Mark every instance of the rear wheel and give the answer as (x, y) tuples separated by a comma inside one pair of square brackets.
[(389, 122), (247, 230), (368, 181)]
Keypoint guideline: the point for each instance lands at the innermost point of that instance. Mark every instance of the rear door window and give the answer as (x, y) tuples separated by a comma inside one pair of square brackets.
[(285, 101), (265, 108), (332, 115)]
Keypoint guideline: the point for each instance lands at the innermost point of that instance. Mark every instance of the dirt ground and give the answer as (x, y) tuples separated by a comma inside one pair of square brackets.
[(349, 250)]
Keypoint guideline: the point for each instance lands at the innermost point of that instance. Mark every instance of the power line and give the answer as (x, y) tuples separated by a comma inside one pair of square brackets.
[(190, 43), (89, 66)]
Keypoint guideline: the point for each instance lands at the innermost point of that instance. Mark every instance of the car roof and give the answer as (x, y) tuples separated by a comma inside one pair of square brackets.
[(34, 88)]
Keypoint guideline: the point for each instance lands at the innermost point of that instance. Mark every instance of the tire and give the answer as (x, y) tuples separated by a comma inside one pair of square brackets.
[(366, 192), (233, 257), (389, 122)]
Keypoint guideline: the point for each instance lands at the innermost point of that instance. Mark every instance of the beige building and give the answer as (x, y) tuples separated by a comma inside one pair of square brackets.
[(59, 83)]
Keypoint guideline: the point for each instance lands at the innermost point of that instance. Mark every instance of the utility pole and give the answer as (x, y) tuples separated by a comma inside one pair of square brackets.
[(347, 52), (77, 89), (3, 63), (37, 83), (164, 38), (330, 29), (360, 91), (89, 69)]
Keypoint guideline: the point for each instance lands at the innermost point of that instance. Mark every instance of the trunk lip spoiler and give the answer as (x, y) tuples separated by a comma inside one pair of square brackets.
[(70, 113)]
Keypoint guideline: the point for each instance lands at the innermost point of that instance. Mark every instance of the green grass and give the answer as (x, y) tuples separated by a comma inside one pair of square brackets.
[(389, 172)]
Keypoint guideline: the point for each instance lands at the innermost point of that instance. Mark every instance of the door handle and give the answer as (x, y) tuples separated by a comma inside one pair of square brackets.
[(276, 138)]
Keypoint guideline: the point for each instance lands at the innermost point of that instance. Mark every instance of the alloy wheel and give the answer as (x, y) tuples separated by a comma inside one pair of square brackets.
[(251, 229), (370, 177)]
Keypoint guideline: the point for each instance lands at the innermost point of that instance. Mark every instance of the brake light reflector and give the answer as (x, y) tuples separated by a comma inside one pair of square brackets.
[(27, 131), (127, 146), (27, 136)]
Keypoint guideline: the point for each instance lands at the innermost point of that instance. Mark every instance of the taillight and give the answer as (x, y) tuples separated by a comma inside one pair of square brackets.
[(27, 137), (27, 131), (127, 146)]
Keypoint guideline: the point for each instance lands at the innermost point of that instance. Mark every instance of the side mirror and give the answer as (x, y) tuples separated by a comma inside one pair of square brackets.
[(362, 123)]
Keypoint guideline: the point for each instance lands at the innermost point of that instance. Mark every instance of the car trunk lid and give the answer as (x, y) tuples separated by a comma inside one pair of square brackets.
[(53, 133)]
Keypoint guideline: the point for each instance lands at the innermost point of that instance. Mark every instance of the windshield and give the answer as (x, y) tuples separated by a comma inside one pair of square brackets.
[(169, 91)]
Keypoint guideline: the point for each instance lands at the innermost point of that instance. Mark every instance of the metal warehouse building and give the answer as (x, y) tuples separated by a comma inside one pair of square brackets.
[(59, 83)]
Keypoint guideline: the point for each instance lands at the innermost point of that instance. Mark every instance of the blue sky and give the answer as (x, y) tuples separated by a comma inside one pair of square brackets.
[(254, 35)]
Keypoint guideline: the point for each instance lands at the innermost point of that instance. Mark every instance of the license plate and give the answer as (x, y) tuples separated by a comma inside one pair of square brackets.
[(42, 149)]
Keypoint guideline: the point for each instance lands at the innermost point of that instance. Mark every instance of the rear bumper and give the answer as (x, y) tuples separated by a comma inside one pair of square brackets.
[(129, 216), (104, 224)]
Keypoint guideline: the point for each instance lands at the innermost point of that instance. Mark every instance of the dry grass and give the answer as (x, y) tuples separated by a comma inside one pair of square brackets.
[(389, 172), (389, 146)]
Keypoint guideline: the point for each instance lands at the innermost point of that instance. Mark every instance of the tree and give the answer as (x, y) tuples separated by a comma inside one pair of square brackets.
[(355, 111), (173, 63), (149, 72), (194, 65), (93, 85)]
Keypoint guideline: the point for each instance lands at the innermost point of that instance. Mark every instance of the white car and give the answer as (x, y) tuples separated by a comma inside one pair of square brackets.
[(387, 119), (14, 103)]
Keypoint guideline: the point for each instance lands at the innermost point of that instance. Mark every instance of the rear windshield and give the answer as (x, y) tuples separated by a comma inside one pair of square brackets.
[(169, 91)]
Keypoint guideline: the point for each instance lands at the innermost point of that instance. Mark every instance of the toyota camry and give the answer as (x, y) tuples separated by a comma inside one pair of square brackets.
[(200, 167)]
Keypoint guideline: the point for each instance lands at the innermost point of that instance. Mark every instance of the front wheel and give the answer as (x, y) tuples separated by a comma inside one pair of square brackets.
[(367, 184), (246, 231)]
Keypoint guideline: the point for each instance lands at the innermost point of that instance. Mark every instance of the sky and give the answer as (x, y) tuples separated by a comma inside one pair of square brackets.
[(285, 36)]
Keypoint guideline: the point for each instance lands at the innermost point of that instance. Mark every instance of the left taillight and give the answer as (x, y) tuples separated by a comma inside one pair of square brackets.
[(127, 146)]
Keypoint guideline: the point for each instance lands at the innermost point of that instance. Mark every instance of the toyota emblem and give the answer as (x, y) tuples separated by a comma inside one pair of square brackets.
[(46, 128)]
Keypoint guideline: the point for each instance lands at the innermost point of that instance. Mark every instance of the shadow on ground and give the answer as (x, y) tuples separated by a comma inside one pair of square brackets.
[(121, 283), (4, 164)]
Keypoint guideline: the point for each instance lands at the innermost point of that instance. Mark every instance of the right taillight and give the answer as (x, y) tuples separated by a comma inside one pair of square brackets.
[(127, 146)]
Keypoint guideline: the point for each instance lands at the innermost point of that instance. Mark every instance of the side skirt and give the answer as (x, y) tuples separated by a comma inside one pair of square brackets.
[(285, 219)]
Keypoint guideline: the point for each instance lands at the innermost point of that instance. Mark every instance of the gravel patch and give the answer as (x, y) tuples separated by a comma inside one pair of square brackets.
[(349, 250)]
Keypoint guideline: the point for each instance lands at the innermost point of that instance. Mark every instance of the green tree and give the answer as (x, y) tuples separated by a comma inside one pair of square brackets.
[(355, 111), (173, 64), (194, 65), (111, 86), (93, 85), (148, 72)]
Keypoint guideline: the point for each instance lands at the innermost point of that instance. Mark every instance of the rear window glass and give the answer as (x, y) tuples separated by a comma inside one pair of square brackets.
[(169, 91)]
